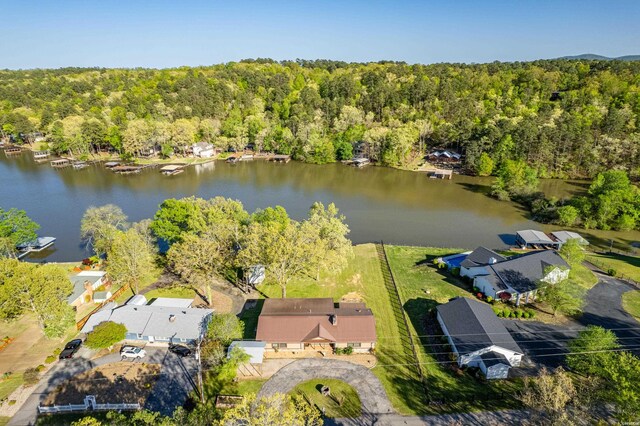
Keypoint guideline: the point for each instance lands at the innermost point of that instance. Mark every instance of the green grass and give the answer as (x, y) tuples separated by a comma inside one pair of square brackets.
[(8, 385), (423, 287), (4, 420), (582, 276), (178, 292), (246, 387), (631, 303), (343, 400), (625, 266)]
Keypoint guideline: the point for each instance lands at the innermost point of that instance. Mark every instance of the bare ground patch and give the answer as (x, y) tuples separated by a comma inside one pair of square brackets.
[(110, 383), (353, 297)]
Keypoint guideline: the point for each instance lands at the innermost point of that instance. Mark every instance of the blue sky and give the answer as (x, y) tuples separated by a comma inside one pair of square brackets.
[(51, 34)]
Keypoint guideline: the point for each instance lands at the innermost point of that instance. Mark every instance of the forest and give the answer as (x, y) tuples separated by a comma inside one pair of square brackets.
[(563, 118)]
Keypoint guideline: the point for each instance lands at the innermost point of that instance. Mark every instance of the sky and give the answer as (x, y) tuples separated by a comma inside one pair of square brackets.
[(161, 34)]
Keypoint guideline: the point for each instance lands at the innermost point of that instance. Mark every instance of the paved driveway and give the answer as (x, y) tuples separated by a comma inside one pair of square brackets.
[(66, 369), (366, 384), (174, 385), (547, 344)]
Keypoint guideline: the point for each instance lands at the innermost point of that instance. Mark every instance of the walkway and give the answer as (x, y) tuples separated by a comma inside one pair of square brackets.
[(366, 384)]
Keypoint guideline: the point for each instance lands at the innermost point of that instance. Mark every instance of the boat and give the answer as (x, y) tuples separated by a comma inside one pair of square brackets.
[(36, 245), (79, 165), (60, 163), (172, 170)]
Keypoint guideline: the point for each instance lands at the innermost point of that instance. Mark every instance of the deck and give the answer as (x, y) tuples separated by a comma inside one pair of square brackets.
[(440, 173), (172, 169), (63, 162)]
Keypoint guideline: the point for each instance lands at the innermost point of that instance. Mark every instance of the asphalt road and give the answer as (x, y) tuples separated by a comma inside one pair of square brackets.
[(546, 344)]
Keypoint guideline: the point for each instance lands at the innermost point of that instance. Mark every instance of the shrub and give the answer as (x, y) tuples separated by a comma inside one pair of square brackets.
[(612, 272), (512, 314), (506, 312), (497, 311), (479, 295), (49, 359), (455, 272), (106, 334), (476, 289), (531, 313), (30, 376), (490, 299), (348, 350), (12, 402), (57, 351), (40, 368)]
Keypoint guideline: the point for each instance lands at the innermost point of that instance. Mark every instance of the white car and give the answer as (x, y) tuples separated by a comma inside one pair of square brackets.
[(132, 352)]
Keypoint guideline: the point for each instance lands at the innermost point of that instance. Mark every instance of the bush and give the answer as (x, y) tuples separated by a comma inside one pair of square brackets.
[(40, 368), (476, 289), (348, 350), (12, 402), (480, 296), (490, 299), (30, 376), (612, 272), (455, 272), (512, 314), (506, 313), (49, 359), (105, 334), (57, 351), (497, 311), (531, 313)]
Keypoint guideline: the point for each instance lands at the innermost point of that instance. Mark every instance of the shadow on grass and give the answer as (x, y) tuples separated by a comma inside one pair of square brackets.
[(249, 315)]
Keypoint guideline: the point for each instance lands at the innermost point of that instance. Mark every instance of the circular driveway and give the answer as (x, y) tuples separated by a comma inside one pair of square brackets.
[(366, 384)]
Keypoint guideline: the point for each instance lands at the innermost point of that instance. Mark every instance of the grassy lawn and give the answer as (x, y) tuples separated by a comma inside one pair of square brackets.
[(8, 385), (624, 266), (4, 420), (153, 276), (631, 303), (583, 277), (422, 288), (244, 387), (343, 400)]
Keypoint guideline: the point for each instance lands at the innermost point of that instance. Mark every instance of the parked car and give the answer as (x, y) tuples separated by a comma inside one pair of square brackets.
[(132, 352), (180, 350), (70, 349)]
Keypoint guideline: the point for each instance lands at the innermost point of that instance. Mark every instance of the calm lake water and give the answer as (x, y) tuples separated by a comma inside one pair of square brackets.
[(395, 206)]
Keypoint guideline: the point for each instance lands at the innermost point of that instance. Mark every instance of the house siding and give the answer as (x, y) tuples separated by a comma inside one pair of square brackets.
[(497, 371), (484, 286), (473, 271)]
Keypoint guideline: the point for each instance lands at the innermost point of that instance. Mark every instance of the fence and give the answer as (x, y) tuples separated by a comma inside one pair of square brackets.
[(89, 403), (113, 297), (604, 267)]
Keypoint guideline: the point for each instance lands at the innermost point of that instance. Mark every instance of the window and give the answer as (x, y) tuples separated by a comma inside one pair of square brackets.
[(139, 336), (354, 345), (279, 345)]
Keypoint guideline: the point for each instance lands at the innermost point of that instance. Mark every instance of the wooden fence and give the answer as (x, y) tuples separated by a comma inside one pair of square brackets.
[(604, 267), (113, 297)]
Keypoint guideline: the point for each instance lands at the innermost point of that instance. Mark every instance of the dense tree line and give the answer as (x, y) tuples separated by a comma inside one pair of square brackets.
[(563, 118)]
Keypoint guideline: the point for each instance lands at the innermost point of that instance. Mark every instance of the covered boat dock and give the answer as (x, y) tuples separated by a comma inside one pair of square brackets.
[(532, 239)]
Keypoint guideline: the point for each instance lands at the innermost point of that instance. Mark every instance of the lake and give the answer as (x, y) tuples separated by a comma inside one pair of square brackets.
[(398, 207)]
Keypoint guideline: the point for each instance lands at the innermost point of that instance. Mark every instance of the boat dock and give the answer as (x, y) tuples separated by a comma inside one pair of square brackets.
[(127, 169), (79, 165), (39, 244), (41, 155), (359, 162), (111, 164), (13, 150), (172, 169), (440, 173), (280, 158), (61, 163)]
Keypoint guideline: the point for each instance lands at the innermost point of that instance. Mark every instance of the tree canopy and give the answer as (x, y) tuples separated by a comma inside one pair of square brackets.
[(15, 228)]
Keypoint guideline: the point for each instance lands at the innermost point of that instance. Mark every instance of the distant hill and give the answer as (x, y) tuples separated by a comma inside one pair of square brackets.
[(591, 56)]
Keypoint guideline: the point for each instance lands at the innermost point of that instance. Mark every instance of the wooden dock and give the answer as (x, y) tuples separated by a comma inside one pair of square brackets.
[(359, 162), (61, 163), (172, 169), (127, 169), (440, 173), (13, 150), (41, 155), (280, 158)]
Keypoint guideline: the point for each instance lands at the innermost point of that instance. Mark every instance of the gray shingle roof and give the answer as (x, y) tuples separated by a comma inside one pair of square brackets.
[(492, 358), (481, 256), (473, 326), (523, 273), (531, 236)]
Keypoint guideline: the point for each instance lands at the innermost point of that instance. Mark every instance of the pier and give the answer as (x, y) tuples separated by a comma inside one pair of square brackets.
[(61, 163), (440, 173)]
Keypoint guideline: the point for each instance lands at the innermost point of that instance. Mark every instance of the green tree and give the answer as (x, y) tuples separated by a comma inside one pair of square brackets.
[(572, 252), (15, 228), (130, 259), (99, 226), (40, 289), (177, 217), (589, 351), (621, 372), (105, 335), (485, 165), (548, 396), (225, 328), (567, 215), (333, 249), (278, 409), (565, 297)]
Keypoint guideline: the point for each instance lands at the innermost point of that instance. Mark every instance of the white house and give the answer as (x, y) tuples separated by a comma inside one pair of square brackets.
[(519, 277), (203, 150), (474, 264), (478, 337)]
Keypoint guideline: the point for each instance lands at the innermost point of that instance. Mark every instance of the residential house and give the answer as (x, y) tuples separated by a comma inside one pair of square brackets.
[(85, 284), (203, 150), (151, 323), (316, 324), (475, 261), (478, 337), (519, 277)]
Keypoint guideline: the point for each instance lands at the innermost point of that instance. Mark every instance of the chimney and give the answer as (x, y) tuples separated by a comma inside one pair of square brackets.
[(172, 318), (334, 319)]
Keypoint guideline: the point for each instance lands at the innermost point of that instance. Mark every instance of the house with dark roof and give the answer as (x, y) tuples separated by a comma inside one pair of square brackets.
[(478, 337), (315, 324), (518, 278), (475, 262), (85, 284)]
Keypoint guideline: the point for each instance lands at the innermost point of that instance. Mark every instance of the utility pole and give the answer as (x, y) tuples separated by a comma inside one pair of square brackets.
[(611, 246), (198, 357)]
